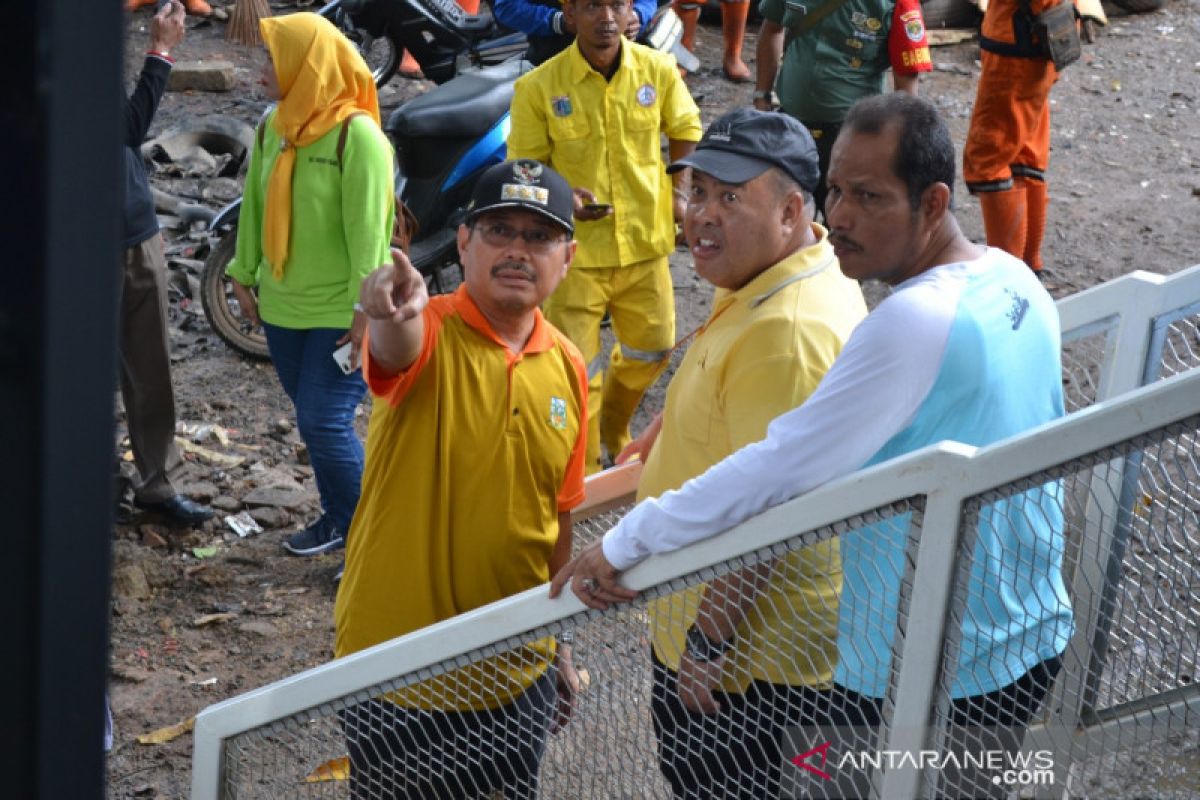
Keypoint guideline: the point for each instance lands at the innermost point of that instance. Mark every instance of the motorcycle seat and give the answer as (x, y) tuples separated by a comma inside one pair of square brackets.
[(467, 106)]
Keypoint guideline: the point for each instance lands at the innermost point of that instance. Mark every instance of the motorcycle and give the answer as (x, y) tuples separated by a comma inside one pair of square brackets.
[(443, 140), (443, 38)]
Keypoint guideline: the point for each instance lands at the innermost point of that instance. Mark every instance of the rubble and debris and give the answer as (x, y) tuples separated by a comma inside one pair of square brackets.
[(243, 525), (201, 76)]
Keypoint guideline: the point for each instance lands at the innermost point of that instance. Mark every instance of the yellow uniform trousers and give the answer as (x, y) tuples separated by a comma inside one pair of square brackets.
[(640, 299)]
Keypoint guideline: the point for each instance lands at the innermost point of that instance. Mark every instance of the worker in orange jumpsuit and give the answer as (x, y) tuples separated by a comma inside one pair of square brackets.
[(1008, 144), (733, 31)]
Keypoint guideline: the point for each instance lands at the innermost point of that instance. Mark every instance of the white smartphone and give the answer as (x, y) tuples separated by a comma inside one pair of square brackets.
[(341, 357)]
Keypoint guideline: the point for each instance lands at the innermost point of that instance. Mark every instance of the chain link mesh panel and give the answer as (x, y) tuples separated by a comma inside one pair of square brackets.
[(1122, 528), (1181, 345), (1083, 359), (489, 723)]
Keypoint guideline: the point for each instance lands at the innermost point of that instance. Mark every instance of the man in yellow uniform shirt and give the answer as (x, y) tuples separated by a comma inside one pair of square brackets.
[(474, 461), (781, 314), (595, 113)]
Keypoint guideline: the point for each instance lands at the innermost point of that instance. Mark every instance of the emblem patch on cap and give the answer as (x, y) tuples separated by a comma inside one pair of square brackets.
[(526, 193), (526, 171), (561, 106), (646, 95), (558, 413)]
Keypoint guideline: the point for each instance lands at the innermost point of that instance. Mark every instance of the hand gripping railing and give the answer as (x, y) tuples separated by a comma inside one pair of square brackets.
[(1128, 324)]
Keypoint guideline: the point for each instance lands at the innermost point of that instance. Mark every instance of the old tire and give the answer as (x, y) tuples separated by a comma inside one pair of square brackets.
[(220, 306), (1140, 6)]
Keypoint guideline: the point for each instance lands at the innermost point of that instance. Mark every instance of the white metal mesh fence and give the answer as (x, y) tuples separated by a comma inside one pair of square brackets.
[(1123, 523), (487, 724), (1137, 570)]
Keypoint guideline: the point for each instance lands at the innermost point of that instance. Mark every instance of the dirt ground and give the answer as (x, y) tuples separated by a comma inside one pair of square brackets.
[(204, 615)]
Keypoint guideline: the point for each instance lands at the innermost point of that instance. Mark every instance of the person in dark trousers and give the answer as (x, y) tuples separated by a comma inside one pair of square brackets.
[(145, 350)]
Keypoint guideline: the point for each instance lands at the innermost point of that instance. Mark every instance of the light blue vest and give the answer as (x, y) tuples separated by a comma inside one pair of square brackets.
[(1000, 375)]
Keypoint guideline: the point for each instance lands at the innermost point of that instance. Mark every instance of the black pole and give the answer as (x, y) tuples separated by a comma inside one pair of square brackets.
[(59, 246)]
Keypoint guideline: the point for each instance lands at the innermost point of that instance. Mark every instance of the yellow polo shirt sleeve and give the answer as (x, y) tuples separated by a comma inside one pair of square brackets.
[(680, 115), (529, 136)]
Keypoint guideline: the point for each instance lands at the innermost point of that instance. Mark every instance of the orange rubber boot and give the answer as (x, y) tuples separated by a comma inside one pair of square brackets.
[(197, 8), (689, 15), (134, 5), (469, 6), (733, 30), (409, 67), (1004, 219), (1037, 197)]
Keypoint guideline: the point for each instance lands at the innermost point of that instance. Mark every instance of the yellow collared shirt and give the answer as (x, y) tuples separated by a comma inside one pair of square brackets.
[(763, 351), (472, 452), (605, 136)]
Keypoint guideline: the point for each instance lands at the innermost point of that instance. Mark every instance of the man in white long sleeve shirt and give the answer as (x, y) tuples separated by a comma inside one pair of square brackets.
[(966, 348)]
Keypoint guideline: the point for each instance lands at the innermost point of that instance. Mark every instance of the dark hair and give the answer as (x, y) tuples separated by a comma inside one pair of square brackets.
[(785, 184), (925, 152)]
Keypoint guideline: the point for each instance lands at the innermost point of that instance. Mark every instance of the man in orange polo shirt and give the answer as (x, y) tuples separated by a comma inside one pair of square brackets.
[(475, 457)]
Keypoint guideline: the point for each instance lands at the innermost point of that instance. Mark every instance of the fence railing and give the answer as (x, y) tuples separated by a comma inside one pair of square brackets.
[(1117, 479)]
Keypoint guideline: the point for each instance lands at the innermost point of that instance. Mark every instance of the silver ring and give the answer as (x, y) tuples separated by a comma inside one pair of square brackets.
[(589, 585)]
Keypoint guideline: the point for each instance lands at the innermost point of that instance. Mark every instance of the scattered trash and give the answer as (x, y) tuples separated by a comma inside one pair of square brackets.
[(169, 733), (940, 37), (203, 431), (954, 69), (213, 619), (212, 456), (205, 682), (243, 524), (204, 552)]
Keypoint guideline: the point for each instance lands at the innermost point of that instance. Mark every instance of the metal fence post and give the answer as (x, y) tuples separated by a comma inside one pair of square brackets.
[(920, 652)]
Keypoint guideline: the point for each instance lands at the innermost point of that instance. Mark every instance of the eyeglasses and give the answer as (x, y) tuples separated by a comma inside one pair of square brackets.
[(501, 234)]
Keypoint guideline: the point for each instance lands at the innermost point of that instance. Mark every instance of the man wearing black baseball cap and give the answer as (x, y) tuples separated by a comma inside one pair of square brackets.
[(474, 460), (781, 313)]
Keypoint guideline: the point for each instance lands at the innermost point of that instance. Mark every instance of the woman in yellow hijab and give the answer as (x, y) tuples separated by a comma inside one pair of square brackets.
[(316, 219)]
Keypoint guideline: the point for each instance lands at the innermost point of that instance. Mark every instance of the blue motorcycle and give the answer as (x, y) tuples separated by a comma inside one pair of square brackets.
[(443, 140)]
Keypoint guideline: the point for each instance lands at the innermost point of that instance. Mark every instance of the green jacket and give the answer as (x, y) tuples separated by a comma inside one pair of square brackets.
[(840, 61), (341, 226)]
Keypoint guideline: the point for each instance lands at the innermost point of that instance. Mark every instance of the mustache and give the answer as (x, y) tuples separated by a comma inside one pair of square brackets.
[(524, 269), (843, 240)]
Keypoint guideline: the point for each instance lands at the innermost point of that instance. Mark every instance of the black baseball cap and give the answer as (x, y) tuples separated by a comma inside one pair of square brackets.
[(744, 143), (527, 185)]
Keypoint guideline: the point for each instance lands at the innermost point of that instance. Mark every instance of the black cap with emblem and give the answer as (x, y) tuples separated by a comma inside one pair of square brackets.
[(744, 143), (524, 184)]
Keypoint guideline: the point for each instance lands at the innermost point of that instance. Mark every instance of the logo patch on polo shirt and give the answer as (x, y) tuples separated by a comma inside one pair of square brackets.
[(561, 106), (558, 413), (646, 95)]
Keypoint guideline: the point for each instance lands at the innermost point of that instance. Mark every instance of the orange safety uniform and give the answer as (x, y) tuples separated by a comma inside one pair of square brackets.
[(1008, 143)]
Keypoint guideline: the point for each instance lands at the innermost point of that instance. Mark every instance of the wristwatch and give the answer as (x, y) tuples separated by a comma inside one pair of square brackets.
[(703, 649), (765, 94)]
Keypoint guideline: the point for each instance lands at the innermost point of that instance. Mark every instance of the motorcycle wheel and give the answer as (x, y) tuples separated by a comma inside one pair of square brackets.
[(220, 305), (1140, 6), (380, 52)]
